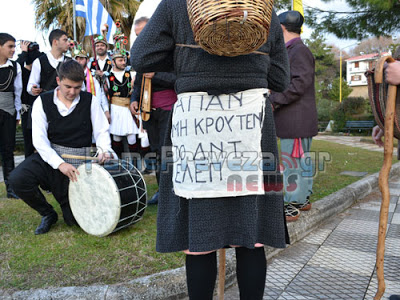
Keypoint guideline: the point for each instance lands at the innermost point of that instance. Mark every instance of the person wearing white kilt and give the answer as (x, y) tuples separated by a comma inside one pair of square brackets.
[(220, 183), (62, 122), (123, 123)]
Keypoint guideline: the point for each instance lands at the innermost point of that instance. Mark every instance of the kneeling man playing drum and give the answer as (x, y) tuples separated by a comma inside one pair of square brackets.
[(62, 123)]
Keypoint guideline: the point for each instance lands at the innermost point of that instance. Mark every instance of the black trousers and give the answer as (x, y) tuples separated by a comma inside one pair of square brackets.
[(156, 127), (34, 172), (7, 143), (27, 131)]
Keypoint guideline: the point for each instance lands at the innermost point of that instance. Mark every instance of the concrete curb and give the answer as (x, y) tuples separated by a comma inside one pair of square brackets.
[(171, 285)]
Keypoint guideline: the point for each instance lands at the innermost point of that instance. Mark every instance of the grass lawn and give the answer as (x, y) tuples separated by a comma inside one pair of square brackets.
[(68, 256)]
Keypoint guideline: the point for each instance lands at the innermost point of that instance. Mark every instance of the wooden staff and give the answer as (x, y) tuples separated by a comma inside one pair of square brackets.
[(384, 174), (221, 273)]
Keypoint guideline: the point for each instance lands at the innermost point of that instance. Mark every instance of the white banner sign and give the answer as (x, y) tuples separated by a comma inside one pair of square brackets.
[(216, 144)]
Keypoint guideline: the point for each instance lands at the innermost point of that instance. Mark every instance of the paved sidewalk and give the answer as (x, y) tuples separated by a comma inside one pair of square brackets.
[(352, 141), (337, 261)]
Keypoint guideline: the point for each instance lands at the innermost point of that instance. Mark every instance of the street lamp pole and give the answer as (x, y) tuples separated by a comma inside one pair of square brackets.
[(341, 69), (340, 76)]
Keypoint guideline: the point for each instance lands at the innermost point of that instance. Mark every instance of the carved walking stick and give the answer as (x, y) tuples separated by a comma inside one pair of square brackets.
[(384, 174)]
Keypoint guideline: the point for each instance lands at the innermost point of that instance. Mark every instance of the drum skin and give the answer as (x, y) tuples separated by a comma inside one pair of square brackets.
[(104, 200)]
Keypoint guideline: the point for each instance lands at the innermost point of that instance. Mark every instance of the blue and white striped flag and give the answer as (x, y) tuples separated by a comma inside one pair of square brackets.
[(96, 16)]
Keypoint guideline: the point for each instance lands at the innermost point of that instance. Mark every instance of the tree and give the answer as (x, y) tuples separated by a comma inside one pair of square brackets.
[(59, 14), (334, 91), (374, 17), (325, 66), (283, 4), (374, 45)]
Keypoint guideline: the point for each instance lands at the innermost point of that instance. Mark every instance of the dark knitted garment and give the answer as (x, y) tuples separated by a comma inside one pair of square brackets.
[(211, 223)]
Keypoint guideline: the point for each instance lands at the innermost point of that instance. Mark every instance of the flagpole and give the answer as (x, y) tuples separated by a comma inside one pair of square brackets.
[(74, 17), (292, 4)]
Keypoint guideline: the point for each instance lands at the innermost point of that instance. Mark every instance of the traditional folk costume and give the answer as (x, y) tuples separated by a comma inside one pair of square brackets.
[(222, 116), (104, 65), (57, 130), (120, 90), (10, 106), (91, 84), (44, 72), (25, 59)]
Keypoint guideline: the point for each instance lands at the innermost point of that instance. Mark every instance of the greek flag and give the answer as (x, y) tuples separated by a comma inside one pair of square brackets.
[(96, 16)]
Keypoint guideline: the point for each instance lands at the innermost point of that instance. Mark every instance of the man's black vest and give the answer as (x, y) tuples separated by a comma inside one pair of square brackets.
[(73, 130), (48, 74), (107, 66), (7, 77), (123, 88)]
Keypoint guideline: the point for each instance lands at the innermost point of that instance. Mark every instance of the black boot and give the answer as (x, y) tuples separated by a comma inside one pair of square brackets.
[(118, 148), (10, 192), (69, 218), (46, 223), (8, 166)]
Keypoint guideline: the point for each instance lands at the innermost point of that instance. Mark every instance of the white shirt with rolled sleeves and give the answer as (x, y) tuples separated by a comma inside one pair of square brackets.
[(40, 125), (17, 86), (34, 78)]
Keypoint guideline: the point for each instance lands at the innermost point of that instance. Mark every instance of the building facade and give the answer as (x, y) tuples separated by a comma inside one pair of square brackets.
[(355, 72)]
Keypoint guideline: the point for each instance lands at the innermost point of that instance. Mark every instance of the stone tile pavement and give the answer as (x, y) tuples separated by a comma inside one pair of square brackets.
[(337, 261), (352, 141)]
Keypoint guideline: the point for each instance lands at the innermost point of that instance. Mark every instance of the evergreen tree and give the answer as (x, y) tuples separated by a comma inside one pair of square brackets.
[(373, 17), (326, 68), (334, 91)]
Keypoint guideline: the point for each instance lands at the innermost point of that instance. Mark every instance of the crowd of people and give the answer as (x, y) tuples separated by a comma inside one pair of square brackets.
[(44, 91), (67, 103)]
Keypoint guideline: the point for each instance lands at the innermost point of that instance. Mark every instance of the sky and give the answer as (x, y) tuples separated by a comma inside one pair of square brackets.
[(18, 19)]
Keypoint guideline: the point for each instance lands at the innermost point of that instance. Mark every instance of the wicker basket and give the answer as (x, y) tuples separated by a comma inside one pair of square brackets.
[(230, 27)]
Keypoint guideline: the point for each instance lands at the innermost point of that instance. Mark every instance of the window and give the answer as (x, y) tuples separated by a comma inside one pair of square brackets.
[(357, 64), (356, 78)]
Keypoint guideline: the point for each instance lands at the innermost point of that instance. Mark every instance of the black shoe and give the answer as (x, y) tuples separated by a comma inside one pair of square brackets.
[(46, 223), (11, 194), (153, 200), (147, 172)]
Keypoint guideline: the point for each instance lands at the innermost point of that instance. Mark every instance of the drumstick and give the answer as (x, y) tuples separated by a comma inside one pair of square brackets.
[(81, 157), (221, 273), (384, 175)]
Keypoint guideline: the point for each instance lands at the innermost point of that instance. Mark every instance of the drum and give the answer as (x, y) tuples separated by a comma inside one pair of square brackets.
[(107, 199)]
